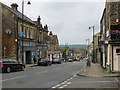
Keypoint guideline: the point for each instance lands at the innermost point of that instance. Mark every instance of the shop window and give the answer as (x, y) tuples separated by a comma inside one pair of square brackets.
[(117, 50)]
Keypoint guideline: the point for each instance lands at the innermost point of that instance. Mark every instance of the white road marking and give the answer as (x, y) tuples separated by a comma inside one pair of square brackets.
[(71, 78), (69, 83), (65, 81), (61, 87), (58, 85), (12, 78), (54, 87), (64, 85)]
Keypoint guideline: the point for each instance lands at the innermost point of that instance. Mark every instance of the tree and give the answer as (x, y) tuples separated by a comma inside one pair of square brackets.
[(63, 51)]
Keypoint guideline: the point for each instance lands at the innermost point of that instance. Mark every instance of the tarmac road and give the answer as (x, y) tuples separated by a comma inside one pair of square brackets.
[(41, 76)]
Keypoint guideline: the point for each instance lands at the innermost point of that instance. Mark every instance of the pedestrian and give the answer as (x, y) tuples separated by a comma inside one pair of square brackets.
[(34, 59), (88, 63), (39, 59)]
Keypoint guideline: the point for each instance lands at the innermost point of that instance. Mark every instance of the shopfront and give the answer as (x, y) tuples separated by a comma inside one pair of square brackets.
[(29, 51), (42, 51), (115, 56)]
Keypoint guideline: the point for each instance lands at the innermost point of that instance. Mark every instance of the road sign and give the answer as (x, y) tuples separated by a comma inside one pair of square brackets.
[(20, 34)]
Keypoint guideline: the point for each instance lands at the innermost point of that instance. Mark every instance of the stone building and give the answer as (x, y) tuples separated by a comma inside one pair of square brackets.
[(21, 38), (53, 46), (110, 36), (96, 47), (42, 34)]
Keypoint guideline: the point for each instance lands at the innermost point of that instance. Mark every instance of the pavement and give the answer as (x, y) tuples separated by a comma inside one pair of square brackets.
[(95, 70), (93, 77), (30, 65)]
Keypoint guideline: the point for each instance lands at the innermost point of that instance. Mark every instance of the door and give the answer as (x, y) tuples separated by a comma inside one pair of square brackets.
[(28, 57), (116, 58)]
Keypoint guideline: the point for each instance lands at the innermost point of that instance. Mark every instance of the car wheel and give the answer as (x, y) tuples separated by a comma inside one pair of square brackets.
[(23, 68), (8, 70)]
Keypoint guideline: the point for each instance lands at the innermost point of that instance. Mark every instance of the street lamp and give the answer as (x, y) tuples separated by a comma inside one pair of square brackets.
[(22, 25), (88, 46), (93, 40)]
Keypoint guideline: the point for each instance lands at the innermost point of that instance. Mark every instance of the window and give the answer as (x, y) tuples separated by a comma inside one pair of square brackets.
[(5, 61), (20, 28), (24, 32), (117, 50), (115, 31), (31, 33), (14, 61), (27, 32)]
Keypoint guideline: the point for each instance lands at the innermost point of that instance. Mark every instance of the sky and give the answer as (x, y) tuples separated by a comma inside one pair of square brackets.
[(68, 19)]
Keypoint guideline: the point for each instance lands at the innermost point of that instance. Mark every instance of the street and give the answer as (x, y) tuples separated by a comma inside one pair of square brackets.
[(56, 76), (41, 76), (77, 40)]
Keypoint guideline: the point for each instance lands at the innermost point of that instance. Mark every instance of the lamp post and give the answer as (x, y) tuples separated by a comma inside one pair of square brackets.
[(93, 40), (23, 27), (88, 47)]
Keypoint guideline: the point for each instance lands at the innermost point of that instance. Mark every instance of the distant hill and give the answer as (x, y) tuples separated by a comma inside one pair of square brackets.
[(80, 46)]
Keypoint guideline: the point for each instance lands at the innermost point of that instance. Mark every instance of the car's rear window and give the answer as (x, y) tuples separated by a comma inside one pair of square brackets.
[(9, 61), (5, 61)]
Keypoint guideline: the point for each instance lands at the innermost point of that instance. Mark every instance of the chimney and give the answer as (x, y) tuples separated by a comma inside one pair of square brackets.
[(50, 33), (14, 6), (38, 19)]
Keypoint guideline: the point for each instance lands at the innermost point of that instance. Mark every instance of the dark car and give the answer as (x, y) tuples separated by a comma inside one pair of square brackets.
[(44, 61), (56, 60), (8, 65), (75, 59)]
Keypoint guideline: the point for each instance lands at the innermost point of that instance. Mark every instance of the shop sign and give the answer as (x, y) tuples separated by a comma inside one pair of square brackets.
[(114, 42), (27, 43)]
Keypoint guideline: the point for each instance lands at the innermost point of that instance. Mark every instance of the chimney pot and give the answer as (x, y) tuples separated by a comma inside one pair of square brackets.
[(14, 6)]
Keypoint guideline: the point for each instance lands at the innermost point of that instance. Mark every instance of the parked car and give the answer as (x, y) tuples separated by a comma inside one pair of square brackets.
[(56, 60), (70, 60), (44, 61), (85, 58), (8, 65), (75, 59)]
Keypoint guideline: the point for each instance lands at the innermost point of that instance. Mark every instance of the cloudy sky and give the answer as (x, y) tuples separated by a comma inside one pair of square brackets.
[(69, 19)]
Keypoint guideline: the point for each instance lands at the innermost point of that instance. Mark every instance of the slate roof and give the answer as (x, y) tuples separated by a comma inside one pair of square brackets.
[(19, 14)]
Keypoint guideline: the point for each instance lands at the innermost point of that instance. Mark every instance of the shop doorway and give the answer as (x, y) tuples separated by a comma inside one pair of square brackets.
[(116, 58), (28, 57)]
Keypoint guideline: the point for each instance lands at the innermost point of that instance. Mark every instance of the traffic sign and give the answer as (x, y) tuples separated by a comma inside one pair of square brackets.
[(20, 34)]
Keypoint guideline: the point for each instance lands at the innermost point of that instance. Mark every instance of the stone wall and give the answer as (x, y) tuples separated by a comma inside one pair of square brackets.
[(0, 31), (8, 39)]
